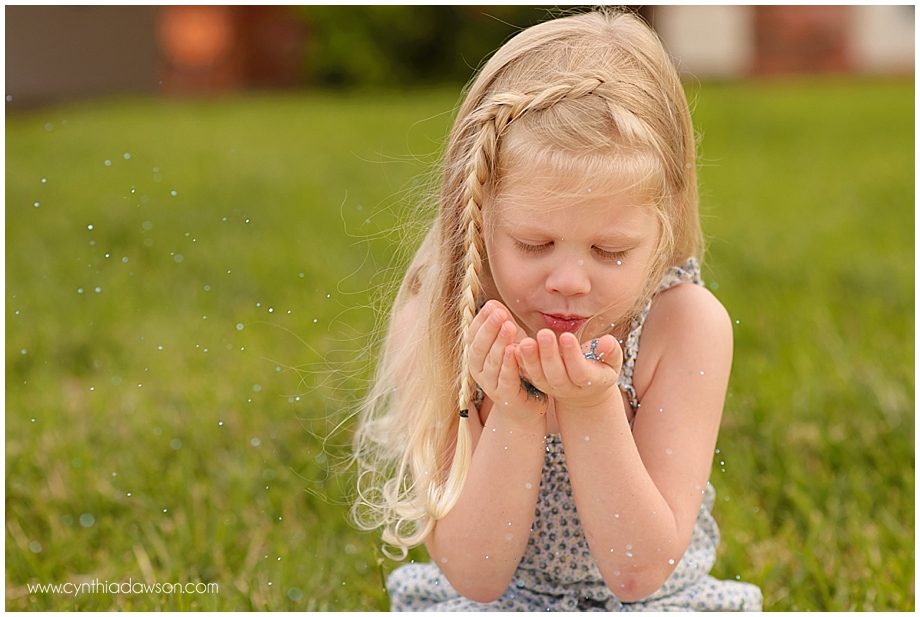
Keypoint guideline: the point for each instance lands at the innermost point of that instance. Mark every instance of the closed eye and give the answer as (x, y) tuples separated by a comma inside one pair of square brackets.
[(610, 255), (532, 248)]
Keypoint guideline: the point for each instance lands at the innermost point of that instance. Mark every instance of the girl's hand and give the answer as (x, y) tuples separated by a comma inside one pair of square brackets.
[(561, 370), (495, 368)]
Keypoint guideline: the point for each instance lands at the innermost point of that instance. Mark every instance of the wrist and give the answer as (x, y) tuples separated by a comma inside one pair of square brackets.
[(611, 402), (510, 417)]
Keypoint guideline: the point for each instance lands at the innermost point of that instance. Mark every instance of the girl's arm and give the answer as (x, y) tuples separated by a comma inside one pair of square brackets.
[(480, 542), (638, 492)]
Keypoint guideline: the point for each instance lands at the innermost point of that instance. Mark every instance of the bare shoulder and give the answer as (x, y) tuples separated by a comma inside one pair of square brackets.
[(688, 308), (685, 322)]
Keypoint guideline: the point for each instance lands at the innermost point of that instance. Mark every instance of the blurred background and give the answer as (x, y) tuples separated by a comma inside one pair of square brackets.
[(57, 53), (208, 206)]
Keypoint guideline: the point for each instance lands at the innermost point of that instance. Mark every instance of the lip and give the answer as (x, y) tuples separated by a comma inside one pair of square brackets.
[(563, 323)]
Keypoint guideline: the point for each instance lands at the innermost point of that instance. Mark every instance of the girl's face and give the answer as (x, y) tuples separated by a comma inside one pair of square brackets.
[(562, 250)]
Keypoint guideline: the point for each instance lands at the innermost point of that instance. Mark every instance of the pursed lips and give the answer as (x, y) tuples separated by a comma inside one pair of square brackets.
[(563, 323)]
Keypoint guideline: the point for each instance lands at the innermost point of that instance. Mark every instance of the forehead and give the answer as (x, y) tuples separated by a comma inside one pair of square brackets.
[(540, 197)]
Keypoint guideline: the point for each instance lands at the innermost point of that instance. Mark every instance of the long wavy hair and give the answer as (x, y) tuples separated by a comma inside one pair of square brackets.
[(592, 93)]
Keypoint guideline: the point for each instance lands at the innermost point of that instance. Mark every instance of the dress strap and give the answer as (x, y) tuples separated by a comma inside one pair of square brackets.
[(688, 272)]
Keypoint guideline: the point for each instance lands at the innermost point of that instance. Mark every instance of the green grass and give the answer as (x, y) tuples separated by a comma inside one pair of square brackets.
[(148, 437)]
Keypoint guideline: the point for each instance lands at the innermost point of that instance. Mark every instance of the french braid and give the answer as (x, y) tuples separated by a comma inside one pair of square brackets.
[(489, 121)]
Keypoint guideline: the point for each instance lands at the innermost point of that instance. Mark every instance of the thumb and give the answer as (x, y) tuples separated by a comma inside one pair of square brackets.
[(605, 348)]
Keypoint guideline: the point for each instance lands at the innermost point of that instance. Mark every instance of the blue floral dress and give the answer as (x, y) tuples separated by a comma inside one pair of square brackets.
[(557, 572)]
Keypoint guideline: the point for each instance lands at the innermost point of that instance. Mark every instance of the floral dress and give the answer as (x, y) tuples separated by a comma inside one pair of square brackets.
[(557, 572)]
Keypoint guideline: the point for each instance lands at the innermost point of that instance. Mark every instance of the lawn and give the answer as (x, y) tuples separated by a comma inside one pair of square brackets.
[(190, 294)]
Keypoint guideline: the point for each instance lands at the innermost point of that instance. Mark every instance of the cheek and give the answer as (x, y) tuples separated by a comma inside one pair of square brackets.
[(514, 279)]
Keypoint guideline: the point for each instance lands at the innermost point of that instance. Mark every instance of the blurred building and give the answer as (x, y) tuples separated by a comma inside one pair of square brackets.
[(62, 52), (735, 41)]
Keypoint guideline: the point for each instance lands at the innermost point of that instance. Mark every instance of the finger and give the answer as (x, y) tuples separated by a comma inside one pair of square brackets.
[(517, 334), (577, 367), (509, 378), (482, 316), (476, 325), (611, 349), (483, 339), (551, 359), (528, 358), (494, 306), (493, 362), (605, 349)]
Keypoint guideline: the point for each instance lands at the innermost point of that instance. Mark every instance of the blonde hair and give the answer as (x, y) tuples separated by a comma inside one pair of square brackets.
[(594, 91)]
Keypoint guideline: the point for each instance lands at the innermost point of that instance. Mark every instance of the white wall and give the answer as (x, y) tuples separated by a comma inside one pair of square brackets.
[(883, 38), (708, 40), (718, 41)]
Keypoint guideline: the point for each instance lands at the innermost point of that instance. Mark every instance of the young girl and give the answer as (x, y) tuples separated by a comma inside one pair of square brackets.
[(514, 427)]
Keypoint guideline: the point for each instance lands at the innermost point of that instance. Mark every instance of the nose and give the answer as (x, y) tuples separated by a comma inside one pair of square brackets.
[(569, 277)]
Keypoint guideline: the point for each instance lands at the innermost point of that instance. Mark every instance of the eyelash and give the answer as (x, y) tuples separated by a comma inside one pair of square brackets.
[(531, 248), (539, 248), (611, 255)]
